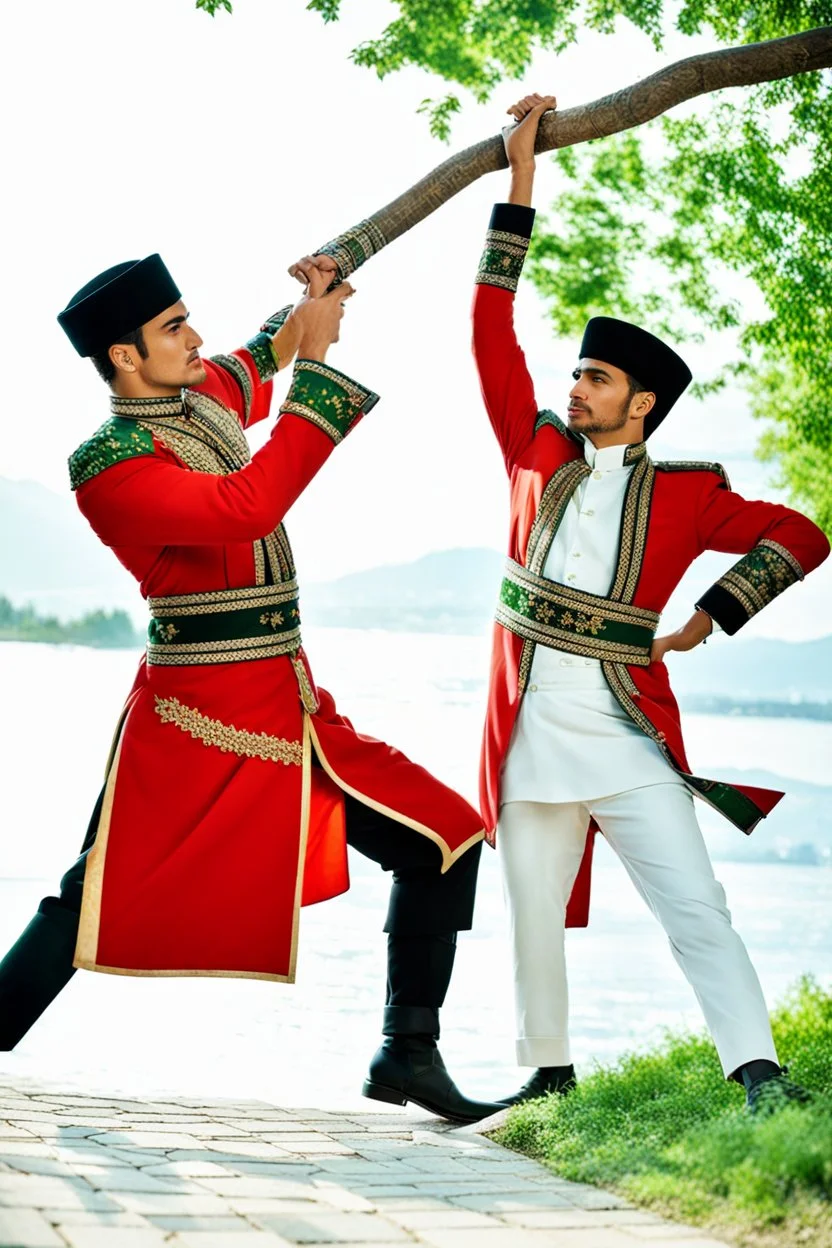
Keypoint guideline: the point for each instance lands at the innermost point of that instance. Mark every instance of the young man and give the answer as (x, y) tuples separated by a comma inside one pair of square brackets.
[(234, 786), (583, 732)]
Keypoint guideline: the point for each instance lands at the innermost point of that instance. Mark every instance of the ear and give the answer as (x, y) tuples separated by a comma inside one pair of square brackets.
[(122, 358), (644, 402)]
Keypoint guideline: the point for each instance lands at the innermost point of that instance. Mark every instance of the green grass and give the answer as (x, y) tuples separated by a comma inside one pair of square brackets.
[(665, 1130)]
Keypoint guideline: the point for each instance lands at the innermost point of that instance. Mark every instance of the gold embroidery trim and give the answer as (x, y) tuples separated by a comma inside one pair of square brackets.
[(786, 554), (235, 651), (239, 372), (226, 737), (214, 600), (579, 600)]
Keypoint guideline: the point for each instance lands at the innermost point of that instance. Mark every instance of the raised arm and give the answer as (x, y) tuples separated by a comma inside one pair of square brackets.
[(507, 388)]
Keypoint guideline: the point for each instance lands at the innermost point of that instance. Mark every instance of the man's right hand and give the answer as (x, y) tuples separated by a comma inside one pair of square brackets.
[(319, 314), (519, 139)]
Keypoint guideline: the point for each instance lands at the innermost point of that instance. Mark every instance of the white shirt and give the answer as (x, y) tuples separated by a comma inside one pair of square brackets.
[(573, 741)]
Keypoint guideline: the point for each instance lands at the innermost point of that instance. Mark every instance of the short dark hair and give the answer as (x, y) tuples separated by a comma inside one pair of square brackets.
[(635, 387), (105, 367)]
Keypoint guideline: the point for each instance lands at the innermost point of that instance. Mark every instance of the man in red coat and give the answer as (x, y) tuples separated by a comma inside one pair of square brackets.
[(234, 786), (583, 732)]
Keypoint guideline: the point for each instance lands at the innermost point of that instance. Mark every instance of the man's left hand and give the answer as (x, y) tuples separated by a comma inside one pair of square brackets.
[(324, 264), (698, 627)]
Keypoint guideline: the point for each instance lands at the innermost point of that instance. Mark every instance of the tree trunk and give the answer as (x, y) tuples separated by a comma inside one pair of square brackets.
[(683, 80)]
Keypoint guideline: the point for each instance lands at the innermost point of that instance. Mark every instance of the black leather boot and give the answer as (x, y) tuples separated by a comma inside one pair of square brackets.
[(36, 968), (771, 1091), (409, 1067), (545, 1079)]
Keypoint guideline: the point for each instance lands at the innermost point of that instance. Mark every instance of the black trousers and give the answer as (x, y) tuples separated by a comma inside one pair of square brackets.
[(425, 912)]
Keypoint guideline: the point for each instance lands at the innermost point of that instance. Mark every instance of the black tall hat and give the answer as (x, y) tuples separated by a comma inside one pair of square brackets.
[(653, 364), (116, 303)]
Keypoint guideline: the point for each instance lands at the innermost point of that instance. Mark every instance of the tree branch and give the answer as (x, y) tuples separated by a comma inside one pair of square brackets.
[(683, 80)]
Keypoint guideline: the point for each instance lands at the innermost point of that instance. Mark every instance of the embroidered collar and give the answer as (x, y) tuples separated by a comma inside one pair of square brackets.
[(610, 458), (152, 409)]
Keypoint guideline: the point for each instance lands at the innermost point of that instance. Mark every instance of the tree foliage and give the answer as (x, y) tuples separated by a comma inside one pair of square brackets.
[(658, 224)]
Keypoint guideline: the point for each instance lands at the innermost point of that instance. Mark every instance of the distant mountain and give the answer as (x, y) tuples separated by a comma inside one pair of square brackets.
[(449, 591)]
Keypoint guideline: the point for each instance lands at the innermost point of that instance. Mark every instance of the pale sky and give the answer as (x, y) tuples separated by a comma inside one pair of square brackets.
[(233, 146)]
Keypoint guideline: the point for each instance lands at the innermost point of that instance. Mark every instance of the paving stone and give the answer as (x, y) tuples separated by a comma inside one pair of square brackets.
[(24, 1228), (13, 1149), (336, 1228), (419, 1220), (340, 1197), (104, 1237), (123, 1179), (503, 1203), (180, 1222), (89, 1217), (514, 1237), (236, 1186), (255, 1207), (8, 1132), (294, 1171), (149, 1203), (229, 1239), (41, 1192), (146, 1139), (244, 1148), (39, 1165), (586, 1197), (187, 1170)]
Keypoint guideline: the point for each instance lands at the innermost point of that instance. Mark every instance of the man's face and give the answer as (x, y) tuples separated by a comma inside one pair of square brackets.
[(172, 351), (600, 402)]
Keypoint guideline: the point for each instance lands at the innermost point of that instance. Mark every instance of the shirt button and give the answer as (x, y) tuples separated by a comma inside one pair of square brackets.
[(566, 662), (589, 513), (571, 577), (596, 476), (587, 662), (532, 688), (576, 554)]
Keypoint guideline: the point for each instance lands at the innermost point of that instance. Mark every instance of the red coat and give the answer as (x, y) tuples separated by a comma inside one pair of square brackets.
[(215, 826), (681, 510)]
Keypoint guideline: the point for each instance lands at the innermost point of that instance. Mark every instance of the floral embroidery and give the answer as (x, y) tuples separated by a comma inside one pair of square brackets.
[(226, 737)]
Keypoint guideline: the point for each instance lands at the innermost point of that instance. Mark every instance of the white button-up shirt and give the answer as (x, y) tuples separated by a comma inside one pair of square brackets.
[(573, 741)]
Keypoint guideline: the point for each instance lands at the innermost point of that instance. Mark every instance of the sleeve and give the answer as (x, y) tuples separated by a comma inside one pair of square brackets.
[(778, 546), (151, 500), (507, 388), (243, 379)]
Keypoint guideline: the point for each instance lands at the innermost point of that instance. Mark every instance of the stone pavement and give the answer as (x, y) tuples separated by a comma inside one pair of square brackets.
[(101, 1172)]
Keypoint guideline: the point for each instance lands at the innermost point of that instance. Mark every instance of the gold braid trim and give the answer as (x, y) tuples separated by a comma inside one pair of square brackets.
[(226, 737), (786, 554), (213, 600)]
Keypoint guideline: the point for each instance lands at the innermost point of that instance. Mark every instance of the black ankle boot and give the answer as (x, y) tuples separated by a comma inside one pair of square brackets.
[(545, 1079), (771, 1090), (36, 968), (409, 1067)]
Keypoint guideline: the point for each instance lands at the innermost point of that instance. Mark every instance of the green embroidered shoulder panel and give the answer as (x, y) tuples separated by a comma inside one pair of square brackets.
[(327, 398), (117, 439), (548, 417), (502, 260), (692, 465)]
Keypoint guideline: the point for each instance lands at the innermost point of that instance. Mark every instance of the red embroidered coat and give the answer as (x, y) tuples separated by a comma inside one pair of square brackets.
[(672, 513), (215, 827)]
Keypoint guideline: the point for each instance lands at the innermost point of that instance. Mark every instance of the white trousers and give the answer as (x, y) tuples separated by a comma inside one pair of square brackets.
[(656, 835)]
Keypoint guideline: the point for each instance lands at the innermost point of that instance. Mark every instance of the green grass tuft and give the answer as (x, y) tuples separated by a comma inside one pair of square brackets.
[(667, 1131)]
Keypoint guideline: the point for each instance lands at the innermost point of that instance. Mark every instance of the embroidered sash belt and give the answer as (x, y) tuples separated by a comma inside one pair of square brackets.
[(224, 625), (551, 614)]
